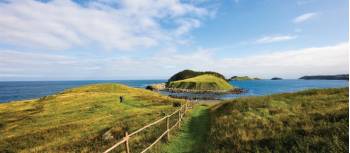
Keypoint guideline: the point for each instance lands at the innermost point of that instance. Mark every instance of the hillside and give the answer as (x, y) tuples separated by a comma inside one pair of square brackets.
[(326, 77), (242, 78), (84, 119), (186, 74), (308, 121), (202, 82)]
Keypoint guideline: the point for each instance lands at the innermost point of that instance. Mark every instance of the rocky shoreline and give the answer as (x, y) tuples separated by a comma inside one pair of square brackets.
[(232, 91)]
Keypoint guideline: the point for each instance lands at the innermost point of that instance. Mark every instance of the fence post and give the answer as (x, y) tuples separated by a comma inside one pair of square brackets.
[(167, 128), (179, 118), (127, 149)]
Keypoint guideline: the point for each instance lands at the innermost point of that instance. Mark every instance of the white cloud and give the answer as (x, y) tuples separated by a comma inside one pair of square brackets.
[(276, 38), (304, 17), (125, 24), (286, 64)]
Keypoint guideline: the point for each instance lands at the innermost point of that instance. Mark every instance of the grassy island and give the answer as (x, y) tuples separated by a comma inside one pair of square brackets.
[(202, 82), (308, 121), (243, 78), (83, 119)]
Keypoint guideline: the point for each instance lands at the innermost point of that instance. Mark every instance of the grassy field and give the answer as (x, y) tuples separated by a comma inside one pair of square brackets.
[(84, 119), (202, 82), (308, 121)]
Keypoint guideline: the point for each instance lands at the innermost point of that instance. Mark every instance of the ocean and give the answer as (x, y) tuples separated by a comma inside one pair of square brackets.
[(21, 90)]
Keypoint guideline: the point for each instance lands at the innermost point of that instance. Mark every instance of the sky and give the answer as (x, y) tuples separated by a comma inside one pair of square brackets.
[(153, 39)]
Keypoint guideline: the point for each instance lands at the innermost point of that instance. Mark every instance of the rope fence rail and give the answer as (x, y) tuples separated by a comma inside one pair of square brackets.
[(125, 140)]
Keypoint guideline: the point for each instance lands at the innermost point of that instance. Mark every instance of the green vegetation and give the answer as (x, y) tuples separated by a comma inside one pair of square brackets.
[(84, 119), (193, 133), (242, 78), (186, 74), (308, 121), (326, 77), (276, 78), (202, 82)]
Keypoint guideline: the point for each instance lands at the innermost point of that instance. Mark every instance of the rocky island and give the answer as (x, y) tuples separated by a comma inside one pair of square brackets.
[(243, 78), (188, 81), (276, 78)]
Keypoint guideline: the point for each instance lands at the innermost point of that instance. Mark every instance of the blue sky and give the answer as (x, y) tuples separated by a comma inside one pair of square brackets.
[(130, 39)]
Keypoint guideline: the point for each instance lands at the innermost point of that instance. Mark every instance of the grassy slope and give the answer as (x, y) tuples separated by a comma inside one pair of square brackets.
[(75, 120), (202, 82), (308, 121), (193, 133)]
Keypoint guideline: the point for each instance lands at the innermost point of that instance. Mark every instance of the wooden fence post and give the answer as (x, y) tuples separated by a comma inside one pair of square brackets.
[(167, 128), (179, 120), (127, 149)]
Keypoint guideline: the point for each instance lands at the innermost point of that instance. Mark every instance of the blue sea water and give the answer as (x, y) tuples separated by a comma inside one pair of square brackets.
[(20, 90), (267, 87)]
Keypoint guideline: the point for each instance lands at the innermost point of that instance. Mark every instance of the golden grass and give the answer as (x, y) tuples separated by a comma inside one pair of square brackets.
[(76, 119)]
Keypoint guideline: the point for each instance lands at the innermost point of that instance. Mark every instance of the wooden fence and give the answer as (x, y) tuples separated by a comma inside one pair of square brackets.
[(125, 140)]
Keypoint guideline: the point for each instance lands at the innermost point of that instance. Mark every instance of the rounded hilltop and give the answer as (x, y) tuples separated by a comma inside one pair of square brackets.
[(189, 81), (201, 83), (186, 74)]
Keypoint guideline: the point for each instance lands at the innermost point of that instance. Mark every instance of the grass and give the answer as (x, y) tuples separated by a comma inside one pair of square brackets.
[(308, 121), (193, 133), (84, 119), (202, 82)]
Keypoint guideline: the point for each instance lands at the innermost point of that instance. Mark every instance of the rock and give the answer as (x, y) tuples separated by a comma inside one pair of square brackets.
[(108, 135), (156, 87)]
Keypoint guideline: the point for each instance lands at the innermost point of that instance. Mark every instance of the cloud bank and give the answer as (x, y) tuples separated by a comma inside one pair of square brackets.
[(287, 64)]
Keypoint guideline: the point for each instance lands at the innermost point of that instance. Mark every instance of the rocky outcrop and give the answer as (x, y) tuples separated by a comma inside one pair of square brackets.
[(156, 87)]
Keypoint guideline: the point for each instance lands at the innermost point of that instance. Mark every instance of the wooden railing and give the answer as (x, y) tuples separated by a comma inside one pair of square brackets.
[(125, 140)]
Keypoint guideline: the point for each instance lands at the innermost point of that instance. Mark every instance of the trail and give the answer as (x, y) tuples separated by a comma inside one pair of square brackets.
[(191, 137)]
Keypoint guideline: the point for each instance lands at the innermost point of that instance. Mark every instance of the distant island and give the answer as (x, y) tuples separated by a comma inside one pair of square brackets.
[(276, 78), (189, 81), (326, 77), (243, 78)]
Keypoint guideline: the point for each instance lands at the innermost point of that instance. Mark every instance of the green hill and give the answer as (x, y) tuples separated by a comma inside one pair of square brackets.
[(308, 121), (186, 74), (202, 82), (83, 119), (243, 78)]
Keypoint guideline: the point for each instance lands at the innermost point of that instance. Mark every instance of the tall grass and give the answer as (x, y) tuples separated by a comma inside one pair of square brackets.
[(308, 121), (81, 119)]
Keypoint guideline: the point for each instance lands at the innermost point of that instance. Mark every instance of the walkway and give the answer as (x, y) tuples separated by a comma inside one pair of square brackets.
[(191, 137)]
